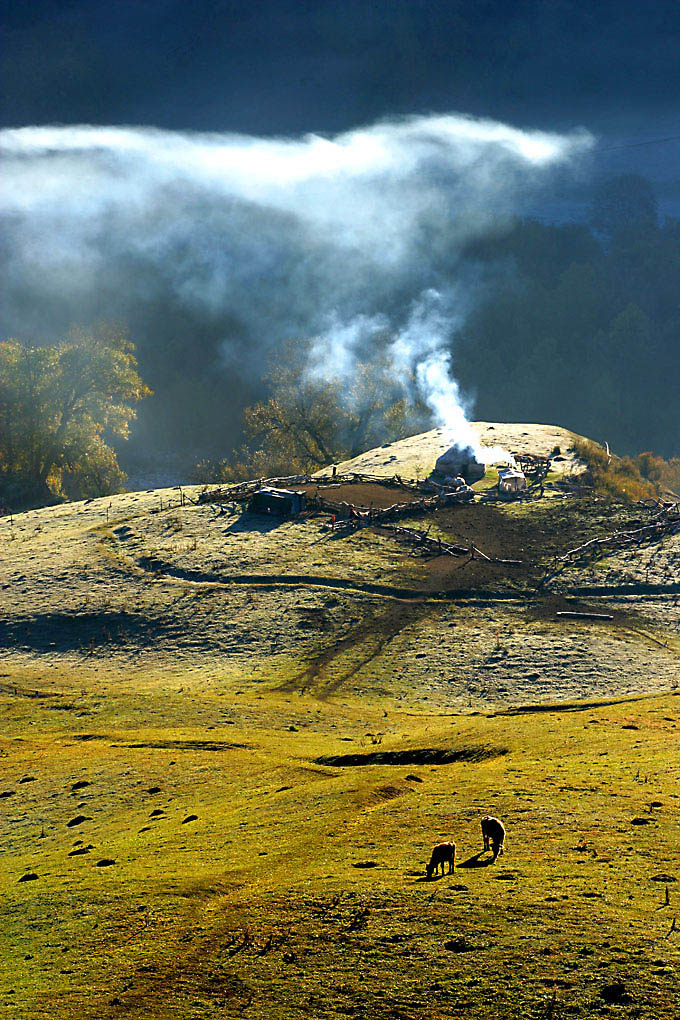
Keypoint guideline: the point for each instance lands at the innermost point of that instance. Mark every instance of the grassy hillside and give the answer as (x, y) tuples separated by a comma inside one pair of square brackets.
[(228, 746), (299, 887), (415, 456)]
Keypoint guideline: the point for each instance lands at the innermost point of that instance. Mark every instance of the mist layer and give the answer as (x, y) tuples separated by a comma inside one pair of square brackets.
[(255, 241)]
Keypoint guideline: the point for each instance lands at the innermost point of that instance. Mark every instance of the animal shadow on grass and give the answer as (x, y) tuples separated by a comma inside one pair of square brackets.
[(476, 861)]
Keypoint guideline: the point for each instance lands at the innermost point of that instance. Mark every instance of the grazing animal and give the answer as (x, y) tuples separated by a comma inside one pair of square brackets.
[(493, 831), (443, 853)]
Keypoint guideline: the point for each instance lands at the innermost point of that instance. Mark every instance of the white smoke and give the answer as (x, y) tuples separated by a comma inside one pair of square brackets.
[(340, 238), (421, 347), (335, 352)]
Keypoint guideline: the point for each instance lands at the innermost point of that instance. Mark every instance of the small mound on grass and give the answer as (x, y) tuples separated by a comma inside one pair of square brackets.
[(416, 756)]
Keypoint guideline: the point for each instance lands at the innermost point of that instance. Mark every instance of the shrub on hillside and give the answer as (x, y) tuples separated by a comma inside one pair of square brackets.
[(664, 473), (617, 477)]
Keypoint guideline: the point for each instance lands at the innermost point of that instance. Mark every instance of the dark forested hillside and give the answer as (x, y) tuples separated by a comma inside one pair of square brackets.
[(581, 324), (576, 324)]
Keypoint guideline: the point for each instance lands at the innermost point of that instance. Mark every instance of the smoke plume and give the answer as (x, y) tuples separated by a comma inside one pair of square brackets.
[(253, 241)]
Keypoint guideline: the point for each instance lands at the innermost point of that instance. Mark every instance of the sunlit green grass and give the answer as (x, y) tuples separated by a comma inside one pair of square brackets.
[(256, 907), (221, 698)]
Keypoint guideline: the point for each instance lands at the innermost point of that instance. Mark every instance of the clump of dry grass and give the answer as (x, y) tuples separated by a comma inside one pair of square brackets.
[(617, 477), (666, 473)]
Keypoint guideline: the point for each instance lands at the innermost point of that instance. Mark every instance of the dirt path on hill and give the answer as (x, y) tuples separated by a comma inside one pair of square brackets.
[(276, 580)]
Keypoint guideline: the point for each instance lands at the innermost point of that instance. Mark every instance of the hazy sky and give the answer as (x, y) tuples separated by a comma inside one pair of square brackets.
[(271, 66), (123, 224), (281, 67)]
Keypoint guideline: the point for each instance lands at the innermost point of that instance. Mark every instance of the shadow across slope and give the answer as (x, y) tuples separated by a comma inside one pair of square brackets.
[(416, 756)]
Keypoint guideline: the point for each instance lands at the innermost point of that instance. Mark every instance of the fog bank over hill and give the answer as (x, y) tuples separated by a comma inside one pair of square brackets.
[(215, 249)]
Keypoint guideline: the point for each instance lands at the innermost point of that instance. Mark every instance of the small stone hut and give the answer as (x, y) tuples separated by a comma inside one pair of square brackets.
[(280, 502), (459, 462)]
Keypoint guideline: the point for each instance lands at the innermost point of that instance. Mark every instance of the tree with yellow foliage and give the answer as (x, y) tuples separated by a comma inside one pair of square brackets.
[(60, 406)]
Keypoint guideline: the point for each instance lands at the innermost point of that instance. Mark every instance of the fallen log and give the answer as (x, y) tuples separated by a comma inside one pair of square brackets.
[(369, 514), (585, 616), (243, 490), (422, 541), (437, 547), (355, 478), (665, 523)]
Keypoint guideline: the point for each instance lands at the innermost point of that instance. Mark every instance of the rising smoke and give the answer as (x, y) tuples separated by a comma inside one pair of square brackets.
[(343, 239)]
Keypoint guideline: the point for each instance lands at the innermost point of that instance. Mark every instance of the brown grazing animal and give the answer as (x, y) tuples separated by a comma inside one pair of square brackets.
[(493, 831), (443, 853)]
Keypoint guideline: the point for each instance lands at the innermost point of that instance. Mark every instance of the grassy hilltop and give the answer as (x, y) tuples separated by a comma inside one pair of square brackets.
[(230, 743)]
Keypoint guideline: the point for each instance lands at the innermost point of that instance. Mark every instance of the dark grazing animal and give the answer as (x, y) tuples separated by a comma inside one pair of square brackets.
[(443, 853), (493, 832)]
